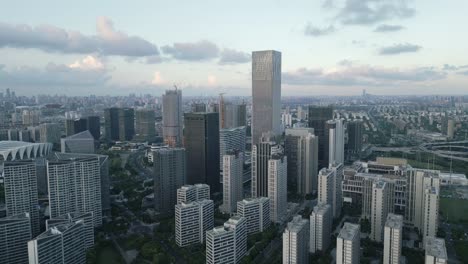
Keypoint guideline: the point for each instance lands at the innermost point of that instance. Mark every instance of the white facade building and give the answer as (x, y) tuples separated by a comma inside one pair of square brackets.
[(329, 188), (75, 186), (380, 210), (21, 196), (59, 244), (15, 232), (257, 213), (320, 228), (431, 212), (277, 187), (192, 193), (348, 244), (227, 244), (233, 187), (336, 141), (296, 238), (192, 220), (393, 235)]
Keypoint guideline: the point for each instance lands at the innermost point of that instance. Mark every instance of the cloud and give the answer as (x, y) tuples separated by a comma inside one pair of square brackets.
[(230, 56), (369, 12), (448, 67), (89, 62), (211, 80), (388, 28), (107, 41), (463, 73), (317, 32), (157, 78), (361, 75), (89, 71), (399, 48), (192, 51)]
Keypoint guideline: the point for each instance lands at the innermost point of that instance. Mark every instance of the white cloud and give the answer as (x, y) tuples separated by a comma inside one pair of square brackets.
[(89, 62), (157, 78)]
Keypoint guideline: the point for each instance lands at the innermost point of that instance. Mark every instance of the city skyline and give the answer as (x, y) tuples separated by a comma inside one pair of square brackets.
[(329, 47)]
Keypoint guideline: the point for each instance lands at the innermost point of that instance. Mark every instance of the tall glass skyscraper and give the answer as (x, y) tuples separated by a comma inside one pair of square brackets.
[(266, 93), (172, 118)]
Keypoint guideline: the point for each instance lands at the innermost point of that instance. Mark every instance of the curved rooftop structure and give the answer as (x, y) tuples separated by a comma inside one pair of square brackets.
[(18, 150)]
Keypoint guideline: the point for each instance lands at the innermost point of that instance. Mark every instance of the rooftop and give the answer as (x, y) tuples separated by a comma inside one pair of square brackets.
[(321, 208), (14, 150), (81, 135), (394, 221), (436, 247), (349, 231)]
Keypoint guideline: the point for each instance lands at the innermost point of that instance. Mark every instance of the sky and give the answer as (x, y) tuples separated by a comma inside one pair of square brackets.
[(329, 47)]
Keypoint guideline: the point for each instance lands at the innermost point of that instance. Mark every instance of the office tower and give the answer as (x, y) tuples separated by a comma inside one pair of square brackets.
[(199, 107), (337, 188), (74, 126), (348, 244), (192, 220), (354, 146), (296, 241), (417, 182), (24, 135), (318, 117), (50, 133), (231, 138), (320, 228), (31, 117), (172, 117), (261, 154), (257, 213), (436, 253), (20, 185), (93, 124), (326, 180), (232, 115), (227, 244), (380, 210), (111, 123), (233, 184), (82, 142), (103, 170), (335, 132), (430, 212), (60, 244), (35, 134), (450, 128), (266, 93), (126, 124), (301, 148), (329, 188), (286, 120), (277, 186), (70, 218), (145, 128), (393, 235), (169, 175), (15, 232), (75, 186), (192, 193), (13, 135), (202, 148), (301, 114)]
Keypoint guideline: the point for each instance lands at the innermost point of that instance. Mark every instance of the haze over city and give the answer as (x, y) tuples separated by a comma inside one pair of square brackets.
[(331, 47)]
